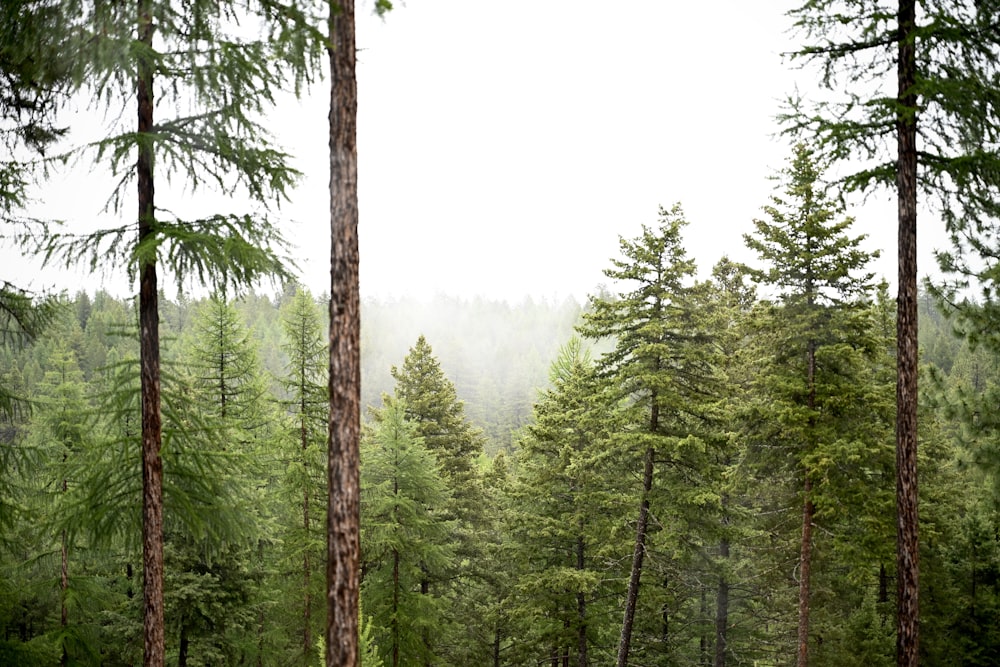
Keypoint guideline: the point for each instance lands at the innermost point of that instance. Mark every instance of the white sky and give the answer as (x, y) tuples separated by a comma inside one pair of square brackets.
[(505, 147)]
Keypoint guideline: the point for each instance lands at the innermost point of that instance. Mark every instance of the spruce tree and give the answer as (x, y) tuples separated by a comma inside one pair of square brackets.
[(658, 368), (817, 273)]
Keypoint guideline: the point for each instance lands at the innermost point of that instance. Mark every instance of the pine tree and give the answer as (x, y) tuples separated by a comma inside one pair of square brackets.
[(59, 429), (199, 62)]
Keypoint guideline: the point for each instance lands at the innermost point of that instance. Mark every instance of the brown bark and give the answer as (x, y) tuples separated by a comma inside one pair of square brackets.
[(581, 609), (345, 365), (632, 597), (907, 554), (306, 565), (805, 551), (149, 362), (805, 568)]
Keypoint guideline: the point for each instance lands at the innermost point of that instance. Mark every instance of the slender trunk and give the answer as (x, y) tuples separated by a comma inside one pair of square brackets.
[(883, 592), (64, 590), (907, 554), (345, 375), (581, 609), (496, 646), (805, 552), (394, 621), (703, 641), (306, 565), (149, 361), (638, 554), (805, 566), (722, 608), (182, 649)]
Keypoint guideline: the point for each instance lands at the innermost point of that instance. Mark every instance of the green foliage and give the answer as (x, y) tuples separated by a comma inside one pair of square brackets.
[(819, 414), (405, 539)]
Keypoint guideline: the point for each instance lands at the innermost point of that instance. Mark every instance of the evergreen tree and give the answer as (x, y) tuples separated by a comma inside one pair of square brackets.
[(730, 301), (658, 367), (813, 266), (305, 383), (562, 522), (59, 431), (942, 62), (405, 538), (433, 407), (215, 586), (200, 62)]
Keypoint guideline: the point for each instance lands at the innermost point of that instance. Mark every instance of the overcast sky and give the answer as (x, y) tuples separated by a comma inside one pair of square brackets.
[(505, 147)]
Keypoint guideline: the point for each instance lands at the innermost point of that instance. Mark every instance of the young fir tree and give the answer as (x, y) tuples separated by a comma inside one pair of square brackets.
[(439, 417), (817, 274), (658, 368), (305, 385), (405, 539), (914, 100)]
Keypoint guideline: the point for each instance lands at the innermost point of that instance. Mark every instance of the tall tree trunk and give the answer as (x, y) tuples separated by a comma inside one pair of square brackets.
[(805, 552), (632, 597), (345, 359), (306, 565), (722, 606), (182, 649), (907, 543), (64, 589), (581, 609), (805, 567), (149, 361), (394, 621)]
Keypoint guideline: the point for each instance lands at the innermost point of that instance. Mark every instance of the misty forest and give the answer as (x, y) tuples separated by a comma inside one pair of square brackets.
[(696, 465)]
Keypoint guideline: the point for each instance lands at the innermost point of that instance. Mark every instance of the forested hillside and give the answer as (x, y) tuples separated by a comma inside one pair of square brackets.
[(524, 468)]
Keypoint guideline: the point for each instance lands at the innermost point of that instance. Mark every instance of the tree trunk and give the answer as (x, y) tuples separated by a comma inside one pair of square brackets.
[(805, 566), (149, 361), (722, 608), (306, 565), (345, 365), (581, 609), (394, 621), (638, 554), (907, 554), (805, 552), (64, 589), (182, 649)]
